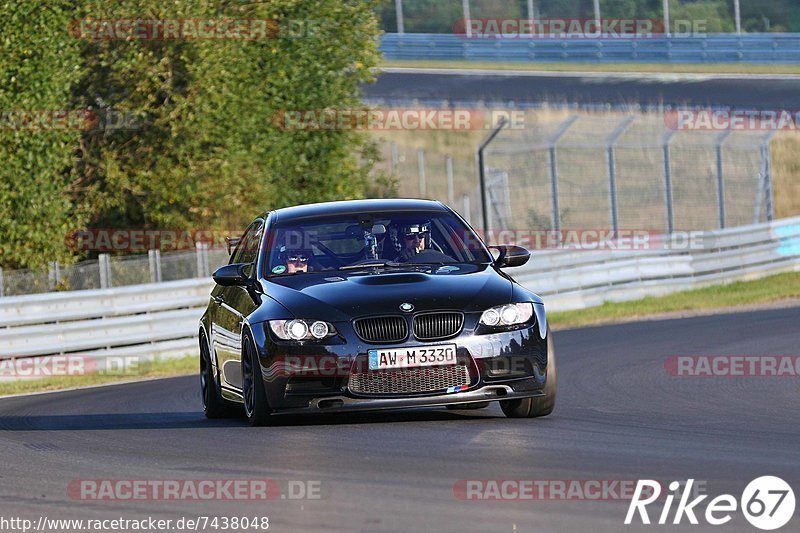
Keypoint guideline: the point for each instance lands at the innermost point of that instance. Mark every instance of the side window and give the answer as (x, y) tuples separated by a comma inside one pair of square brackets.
[(247, 251)]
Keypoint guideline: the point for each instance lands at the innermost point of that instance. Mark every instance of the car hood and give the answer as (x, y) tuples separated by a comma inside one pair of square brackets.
[(340, 296)]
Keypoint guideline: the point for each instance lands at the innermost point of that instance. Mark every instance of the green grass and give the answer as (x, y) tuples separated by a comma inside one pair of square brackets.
[(718, 297), (711, 68), (168, 367)]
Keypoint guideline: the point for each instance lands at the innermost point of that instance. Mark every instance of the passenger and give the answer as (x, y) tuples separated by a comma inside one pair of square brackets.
[(296, 261)]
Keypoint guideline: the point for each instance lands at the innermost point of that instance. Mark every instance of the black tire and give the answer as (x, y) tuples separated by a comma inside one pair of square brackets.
[(256, 407), (214, 405), (468, 406), (543, 405)]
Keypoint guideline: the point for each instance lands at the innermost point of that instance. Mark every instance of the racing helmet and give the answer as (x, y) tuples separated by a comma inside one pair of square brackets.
[(398, 232), (421, 229), (301, 255)]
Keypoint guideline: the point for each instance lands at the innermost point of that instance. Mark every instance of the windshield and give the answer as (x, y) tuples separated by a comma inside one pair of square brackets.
[(371, 240)]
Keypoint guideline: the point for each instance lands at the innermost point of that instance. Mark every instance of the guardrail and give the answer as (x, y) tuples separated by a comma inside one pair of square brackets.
[(578, 279), (711, 48), (160, 320), (152, 321)]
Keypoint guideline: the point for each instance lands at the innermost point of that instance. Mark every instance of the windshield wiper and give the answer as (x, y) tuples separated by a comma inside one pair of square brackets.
[(370, 265), (391, 265)]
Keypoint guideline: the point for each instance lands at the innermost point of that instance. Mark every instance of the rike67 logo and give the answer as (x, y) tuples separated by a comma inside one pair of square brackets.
[(767, 503)]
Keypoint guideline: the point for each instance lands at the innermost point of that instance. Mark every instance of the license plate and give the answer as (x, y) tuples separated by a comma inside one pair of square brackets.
[(440, 354)]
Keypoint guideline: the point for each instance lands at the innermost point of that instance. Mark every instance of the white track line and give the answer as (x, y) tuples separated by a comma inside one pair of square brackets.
[(651, 76), (99, 385)]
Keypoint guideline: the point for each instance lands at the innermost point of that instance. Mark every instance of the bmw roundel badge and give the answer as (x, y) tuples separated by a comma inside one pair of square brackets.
[(406, 307)]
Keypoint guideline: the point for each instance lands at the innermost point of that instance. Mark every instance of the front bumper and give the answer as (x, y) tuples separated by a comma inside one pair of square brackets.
[(342, 403), (505, 365)]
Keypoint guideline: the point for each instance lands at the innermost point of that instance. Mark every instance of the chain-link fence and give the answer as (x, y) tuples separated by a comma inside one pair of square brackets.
[(627, 172), (425, 173), (115, 271), (600, 171)]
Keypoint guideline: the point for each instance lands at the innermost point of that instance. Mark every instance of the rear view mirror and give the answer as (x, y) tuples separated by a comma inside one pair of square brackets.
[(378, 229), (511, 256)]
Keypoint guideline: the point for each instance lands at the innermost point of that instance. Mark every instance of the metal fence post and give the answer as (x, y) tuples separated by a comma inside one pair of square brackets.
[(395, 157), (450, 186), (553, 157), (421, 170), (766, 154), (465, 8), (104, 266), (2, 284), (398, 8), (668, 182), (482, 172), (53, 274), (720, 177), (201, 251), (612, 170), (154, 259)]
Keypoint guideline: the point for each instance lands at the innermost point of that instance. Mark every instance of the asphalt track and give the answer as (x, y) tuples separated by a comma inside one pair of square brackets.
[(400, 86), (620, 416)]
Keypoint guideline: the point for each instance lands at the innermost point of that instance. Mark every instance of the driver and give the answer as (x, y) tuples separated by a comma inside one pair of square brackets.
[(415, 237)]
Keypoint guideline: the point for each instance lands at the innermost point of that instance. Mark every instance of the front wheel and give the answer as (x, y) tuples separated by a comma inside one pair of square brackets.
[(214, 406), (543, 405), (256, 407)]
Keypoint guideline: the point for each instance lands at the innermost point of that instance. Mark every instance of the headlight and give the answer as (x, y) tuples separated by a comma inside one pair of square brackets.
[(300, 330), (507, 315)]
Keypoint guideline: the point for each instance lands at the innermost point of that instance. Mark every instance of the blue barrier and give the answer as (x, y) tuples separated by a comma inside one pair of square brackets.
[(717, 48)]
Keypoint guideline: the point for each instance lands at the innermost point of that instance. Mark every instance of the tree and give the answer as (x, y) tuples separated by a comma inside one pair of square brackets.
[(38, 135), (209, 153), (200, 147)]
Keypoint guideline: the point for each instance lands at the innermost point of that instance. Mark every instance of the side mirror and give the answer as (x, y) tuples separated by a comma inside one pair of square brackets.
[(231, 275), (511, 256)]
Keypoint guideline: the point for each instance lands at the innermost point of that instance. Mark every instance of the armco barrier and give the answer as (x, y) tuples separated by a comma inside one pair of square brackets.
[(152, 321), (160, 320), (711, 48), (727, 255)]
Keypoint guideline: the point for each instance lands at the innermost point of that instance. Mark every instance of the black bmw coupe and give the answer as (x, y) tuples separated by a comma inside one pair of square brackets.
[(370, 305)]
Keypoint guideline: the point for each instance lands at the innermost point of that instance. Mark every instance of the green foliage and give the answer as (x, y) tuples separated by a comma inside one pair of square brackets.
[(204, 150), (37, 68), (214, 156)]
